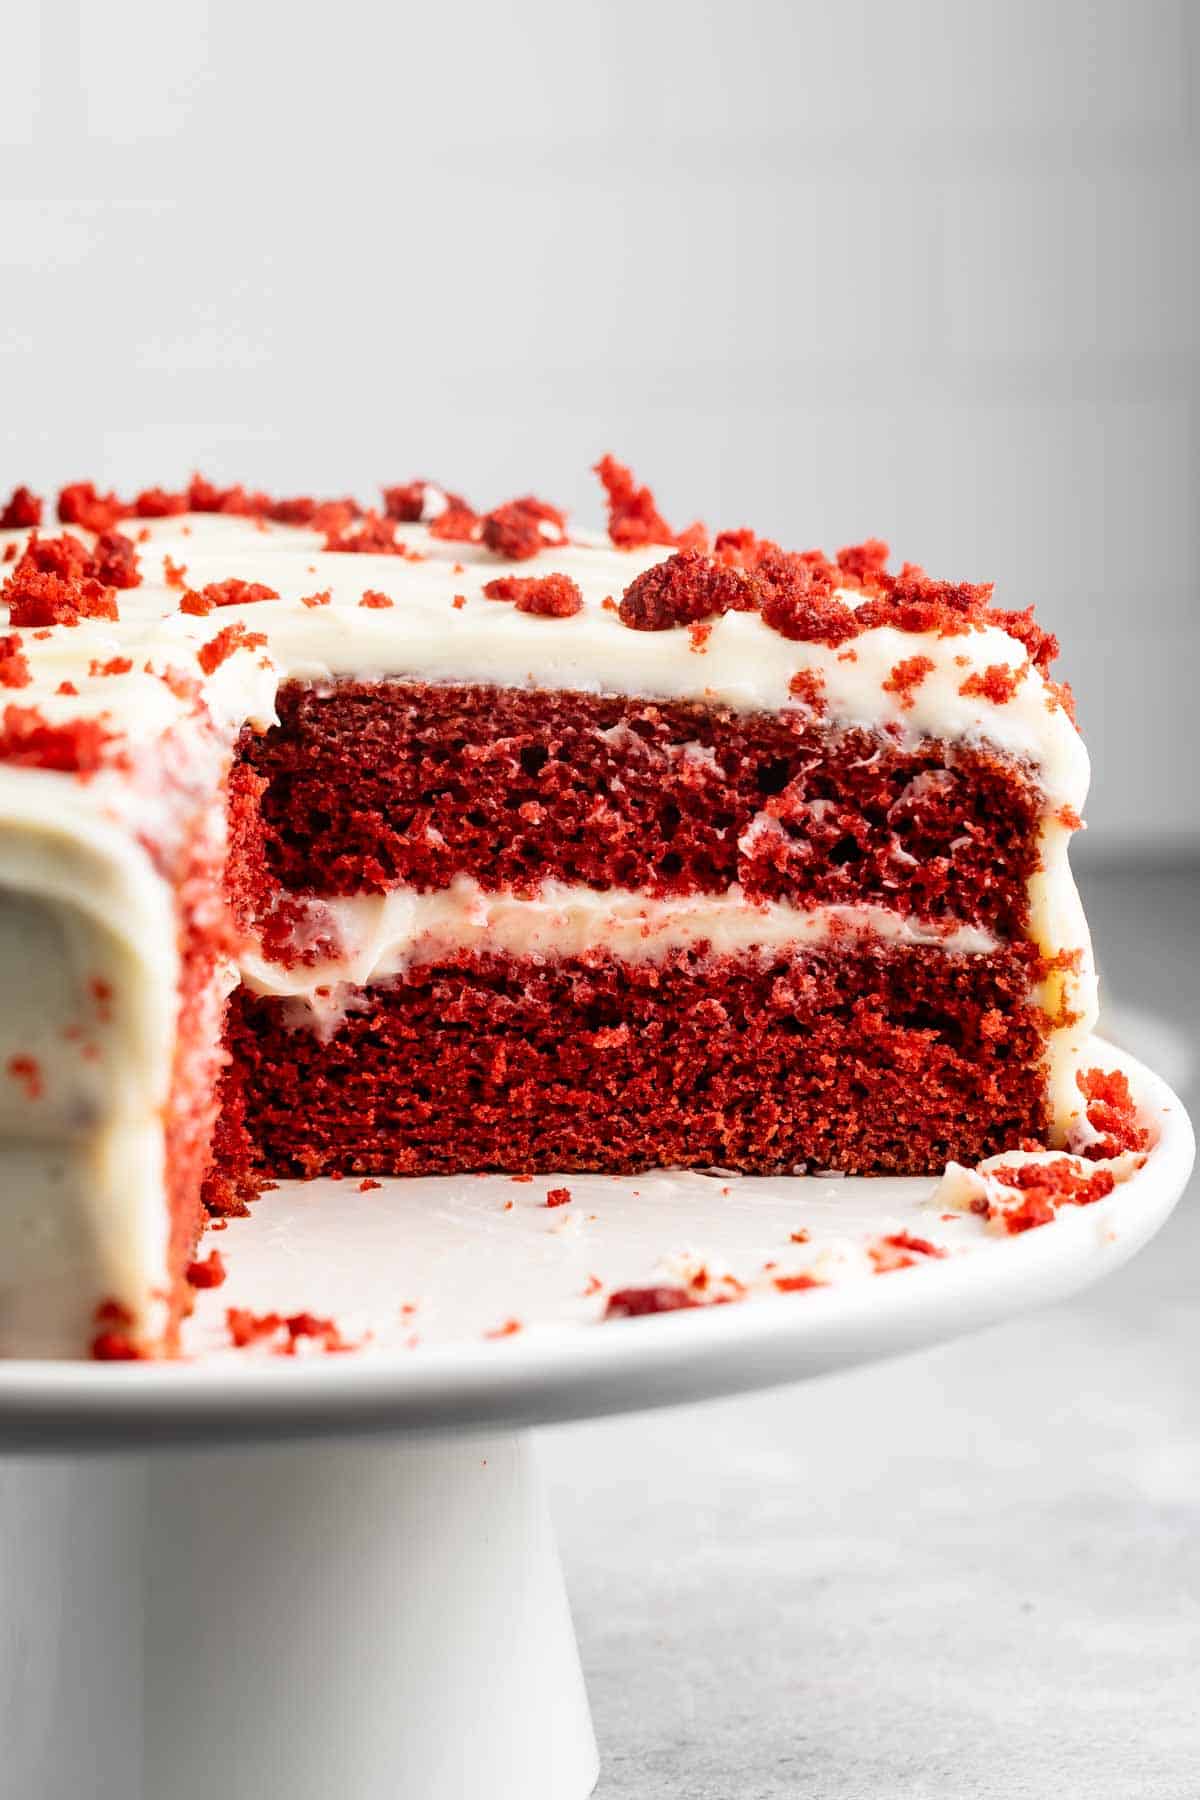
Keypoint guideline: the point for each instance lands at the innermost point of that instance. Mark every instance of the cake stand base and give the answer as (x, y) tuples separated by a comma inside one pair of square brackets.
[(381, 1619), (374, 1619)]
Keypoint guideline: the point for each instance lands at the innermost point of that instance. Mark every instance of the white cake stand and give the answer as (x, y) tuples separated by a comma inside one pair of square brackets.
[(345, 1580)]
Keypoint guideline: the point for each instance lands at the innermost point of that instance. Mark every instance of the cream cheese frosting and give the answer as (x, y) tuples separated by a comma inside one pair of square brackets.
[(82, 897), (382, 935)]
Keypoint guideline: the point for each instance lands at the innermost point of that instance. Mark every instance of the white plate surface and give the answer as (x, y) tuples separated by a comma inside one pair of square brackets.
[(426, 1270)]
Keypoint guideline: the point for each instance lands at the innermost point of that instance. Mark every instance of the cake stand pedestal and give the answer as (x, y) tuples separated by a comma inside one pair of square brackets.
[(334, 1575), (366, 1619)]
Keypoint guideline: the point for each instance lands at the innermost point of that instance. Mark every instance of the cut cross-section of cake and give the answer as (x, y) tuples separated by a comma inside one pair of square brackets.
[(423, 841)]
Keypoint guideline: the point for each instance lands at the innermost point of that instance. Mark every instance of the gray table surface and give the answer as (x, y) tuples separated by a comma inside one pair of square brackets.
[(972, 1573)]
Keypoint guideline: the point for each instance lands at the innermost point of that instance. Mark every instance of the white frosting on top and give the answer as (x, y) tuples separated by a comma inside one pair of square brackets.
[(81, 897)]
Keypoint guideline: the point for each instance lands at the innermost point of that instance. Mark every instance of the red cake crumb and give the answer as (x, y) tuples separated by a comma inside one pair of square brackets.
[(800, 1237), (246, 1327), (521, 528), (698, 636), (373, 600), (863, 563), (1112, 1111), (321, 599), (509, 1328), (906, 678), (64, 555), (115, 560), (633, 517), (14, 664), (66, 687), (48, 600), (367, 1183), (458, 602), (174, 574), (326, 1332), (116, 665), (639, 1302), (406, 501), (203, 496), (1041, 647), (551, 596), (114, 1346), (28, 1071), (218, 650), (54, 583), (209, 1273), (459, 524), (410, 502), (558, 1196), (80, 504), (798, 599), (799, 1283), (808, 687), (112, 1312), (684, 589), (76, 747), (913, 601), (158, 503), (1045, 1187), (371, 535), (22, 510), (997, 683), (226, 593)]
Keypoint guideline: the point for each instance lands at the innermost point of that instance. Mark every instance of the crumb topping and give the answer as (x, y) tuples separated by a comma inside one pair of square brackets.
[(22, 510), (521, 528), (370, 535), (551, 596), (55, 582), (14, 664), (684, 590), (233, 638), (997, 683), (224, 593), (80, 504), (906, 678), (634, 520)]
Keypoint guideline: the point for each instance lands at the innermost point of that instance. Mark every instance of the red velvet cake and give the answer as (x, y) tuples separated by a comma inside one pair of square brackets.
[(424, 840)]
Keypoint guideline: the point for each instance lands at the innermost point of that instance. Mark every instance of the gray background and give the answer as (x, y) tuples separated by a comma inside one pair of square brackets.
[(920, 270)]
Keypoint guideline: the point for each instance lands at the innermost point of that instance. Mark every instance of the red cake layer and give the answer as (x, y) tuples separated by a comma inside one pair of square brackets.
[(893, 1059), (371, 786)]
